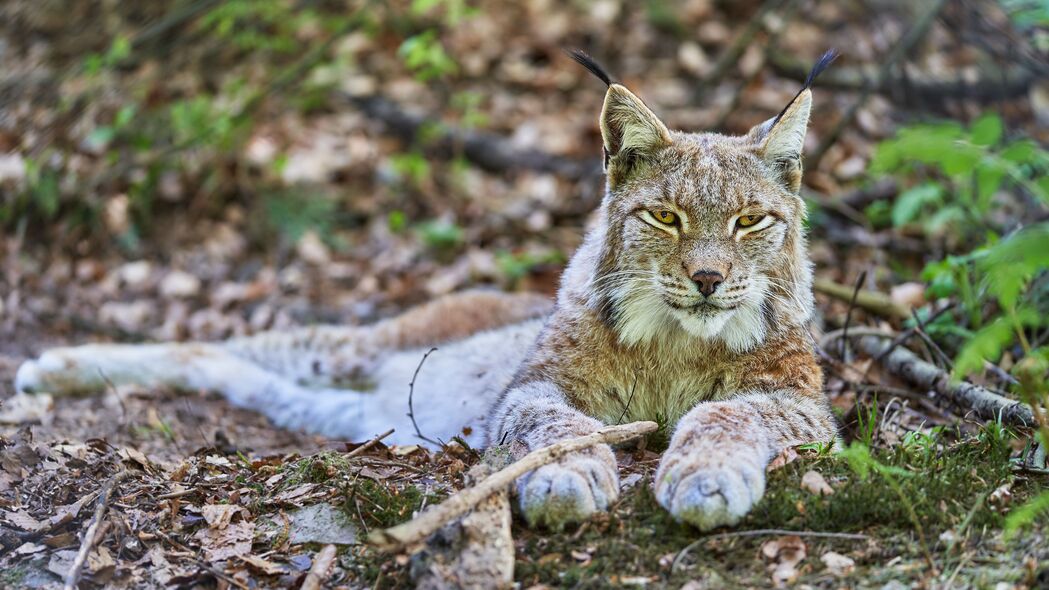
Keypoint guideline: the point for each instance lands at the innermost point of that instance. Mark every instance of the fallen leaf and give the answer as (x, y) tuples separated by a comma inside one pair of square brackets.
[(22, 520), (263, 565), (30, 548), (218, 516), (908, 295), (784, 554), (232, 541), (813, 482), (838, 564), (786, 456)]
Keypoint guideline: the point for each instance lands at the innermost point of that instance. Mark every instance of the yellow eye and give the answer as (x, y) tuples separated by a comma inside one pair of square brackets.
[(749, 220), (667, 217)]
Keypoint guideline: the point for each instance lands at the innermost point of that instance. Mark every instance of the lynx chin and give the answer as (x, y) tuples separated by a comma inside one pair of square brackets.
[(688, 303)]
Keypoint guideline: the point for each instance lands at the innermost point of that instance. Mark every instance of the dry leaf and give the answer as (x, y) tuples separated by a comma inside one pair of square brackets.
[(232, 541), (784, 554), (838, 564), (218, 516), (813, 482), (785, 457), (263, 565), (22, 520)]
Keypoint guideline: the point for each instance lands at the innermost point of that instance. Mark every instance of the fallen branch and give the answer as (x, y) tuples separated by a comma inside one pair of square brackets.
[(465, 500), (319, 572), (490, 152), (368, 444), (73, 576), (872, 301), (969, 396)]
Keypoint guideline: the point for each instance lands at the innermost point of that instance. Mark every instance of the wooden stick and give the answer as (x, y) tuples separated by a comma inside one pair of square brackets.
[(465, 500), (985, 403), (89, 537), (367, 445), (872, 301), (319, 572)]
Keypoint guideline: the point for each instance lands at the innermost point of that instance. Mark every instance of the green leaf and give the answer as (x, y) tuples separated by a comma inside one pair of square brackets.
[(986, 344), (1022, 516), (911, 202), (987, 130), (1012, 262)]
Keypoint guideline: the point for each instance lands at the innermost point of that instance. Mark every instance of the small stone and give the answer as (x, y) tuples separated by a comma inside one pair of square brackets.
[(693, 59), (179, 285), (312, 249), (135, 274), (838, 564)]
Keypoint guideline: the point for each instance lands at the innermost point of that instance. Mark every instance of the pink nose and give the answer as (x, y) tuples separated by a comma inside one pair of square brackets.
[(708, 281)]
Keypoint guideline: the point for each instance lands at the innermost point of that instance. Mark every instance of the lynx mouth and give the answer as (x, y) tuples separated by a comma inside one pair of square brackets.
[(700, 308)]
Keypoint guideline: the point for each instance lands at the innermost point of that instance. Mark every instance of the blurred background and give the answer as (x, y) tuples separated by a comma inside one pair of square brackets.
[(201, 168)]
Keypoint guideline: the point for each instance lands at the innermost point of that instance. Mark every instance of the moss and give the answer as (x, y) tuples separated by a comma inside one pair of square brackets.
[(638, 539)]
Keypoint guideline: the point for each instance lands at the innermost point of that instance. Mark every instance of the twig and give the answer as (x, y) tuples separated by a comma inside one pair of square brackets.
[(92, 530), (985, 403), (319, 572), (465, 500), (376, 440), (630, 400), (901, 49), (411, 394), (763, 533), (871, 301), (848, 316)]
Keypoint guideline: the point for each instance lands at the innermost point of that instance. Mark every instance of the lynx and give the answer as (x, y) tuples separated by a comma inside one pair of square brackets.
[(688, 303)]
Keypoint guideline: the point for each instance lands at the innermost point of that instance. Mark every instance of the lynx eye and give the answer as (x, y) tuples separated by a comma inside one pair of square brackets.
[(664, 216), (749, 220)]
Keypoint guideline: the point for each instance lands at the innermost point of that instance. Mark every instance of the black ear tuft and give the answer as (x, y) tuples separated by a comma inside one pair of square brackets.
[(592, 66), (821, 64), (824, 61)]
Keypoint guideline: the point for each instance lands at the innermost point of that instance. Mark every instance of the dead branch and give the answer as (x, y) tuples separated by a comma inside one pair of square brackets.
[(461, 502), (989, 87), (488, 151), (872, 301), (319, 572), (911, 38), (368, 444), (968, 396), (411, 395), (73, 576)]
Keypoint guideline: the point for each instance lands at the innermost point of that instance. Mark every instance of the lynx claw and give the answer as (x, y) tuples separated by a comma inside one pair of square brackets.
[(710, 497), (567, 492)]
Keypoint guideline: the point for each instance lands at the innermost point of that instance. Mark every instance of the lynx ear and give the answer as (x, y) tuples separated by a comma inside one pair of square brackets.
[(781, 140), (630, 130)]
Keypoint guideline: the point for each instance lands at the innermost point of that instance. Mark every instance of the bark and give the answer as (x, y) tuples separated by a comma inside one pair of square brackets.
[(986, 404)]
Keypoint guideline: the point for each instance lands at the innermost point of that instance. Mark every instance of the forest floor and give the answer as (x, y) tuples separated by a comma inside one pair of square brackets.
[(322, 211)]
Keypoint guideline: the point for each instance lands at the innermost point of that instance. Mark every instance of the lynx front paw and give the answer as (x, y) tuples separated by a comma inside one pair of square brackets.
[(708, 496), (570, 490)]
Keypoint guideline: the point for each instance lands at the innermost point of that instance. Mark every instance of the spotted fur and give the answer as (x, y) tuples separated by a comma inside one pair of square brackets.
[(631, 336)]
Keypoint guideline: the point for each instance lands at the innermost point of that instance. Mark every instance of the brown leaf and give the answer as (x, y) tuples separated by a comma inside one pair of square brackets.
[(263, 565), (22, 520), (784, 554), (813, 482), (233, 541), (785, 457), (218, 516)]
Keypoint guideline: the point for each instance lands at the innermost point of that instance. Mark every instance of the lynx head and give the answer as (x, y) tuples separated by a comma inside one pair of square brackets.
[(701, 233)]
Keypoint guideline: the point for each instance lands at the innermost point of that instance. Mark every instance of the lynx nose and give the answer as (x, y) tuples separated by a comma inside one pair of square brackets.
[(708, 281)]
